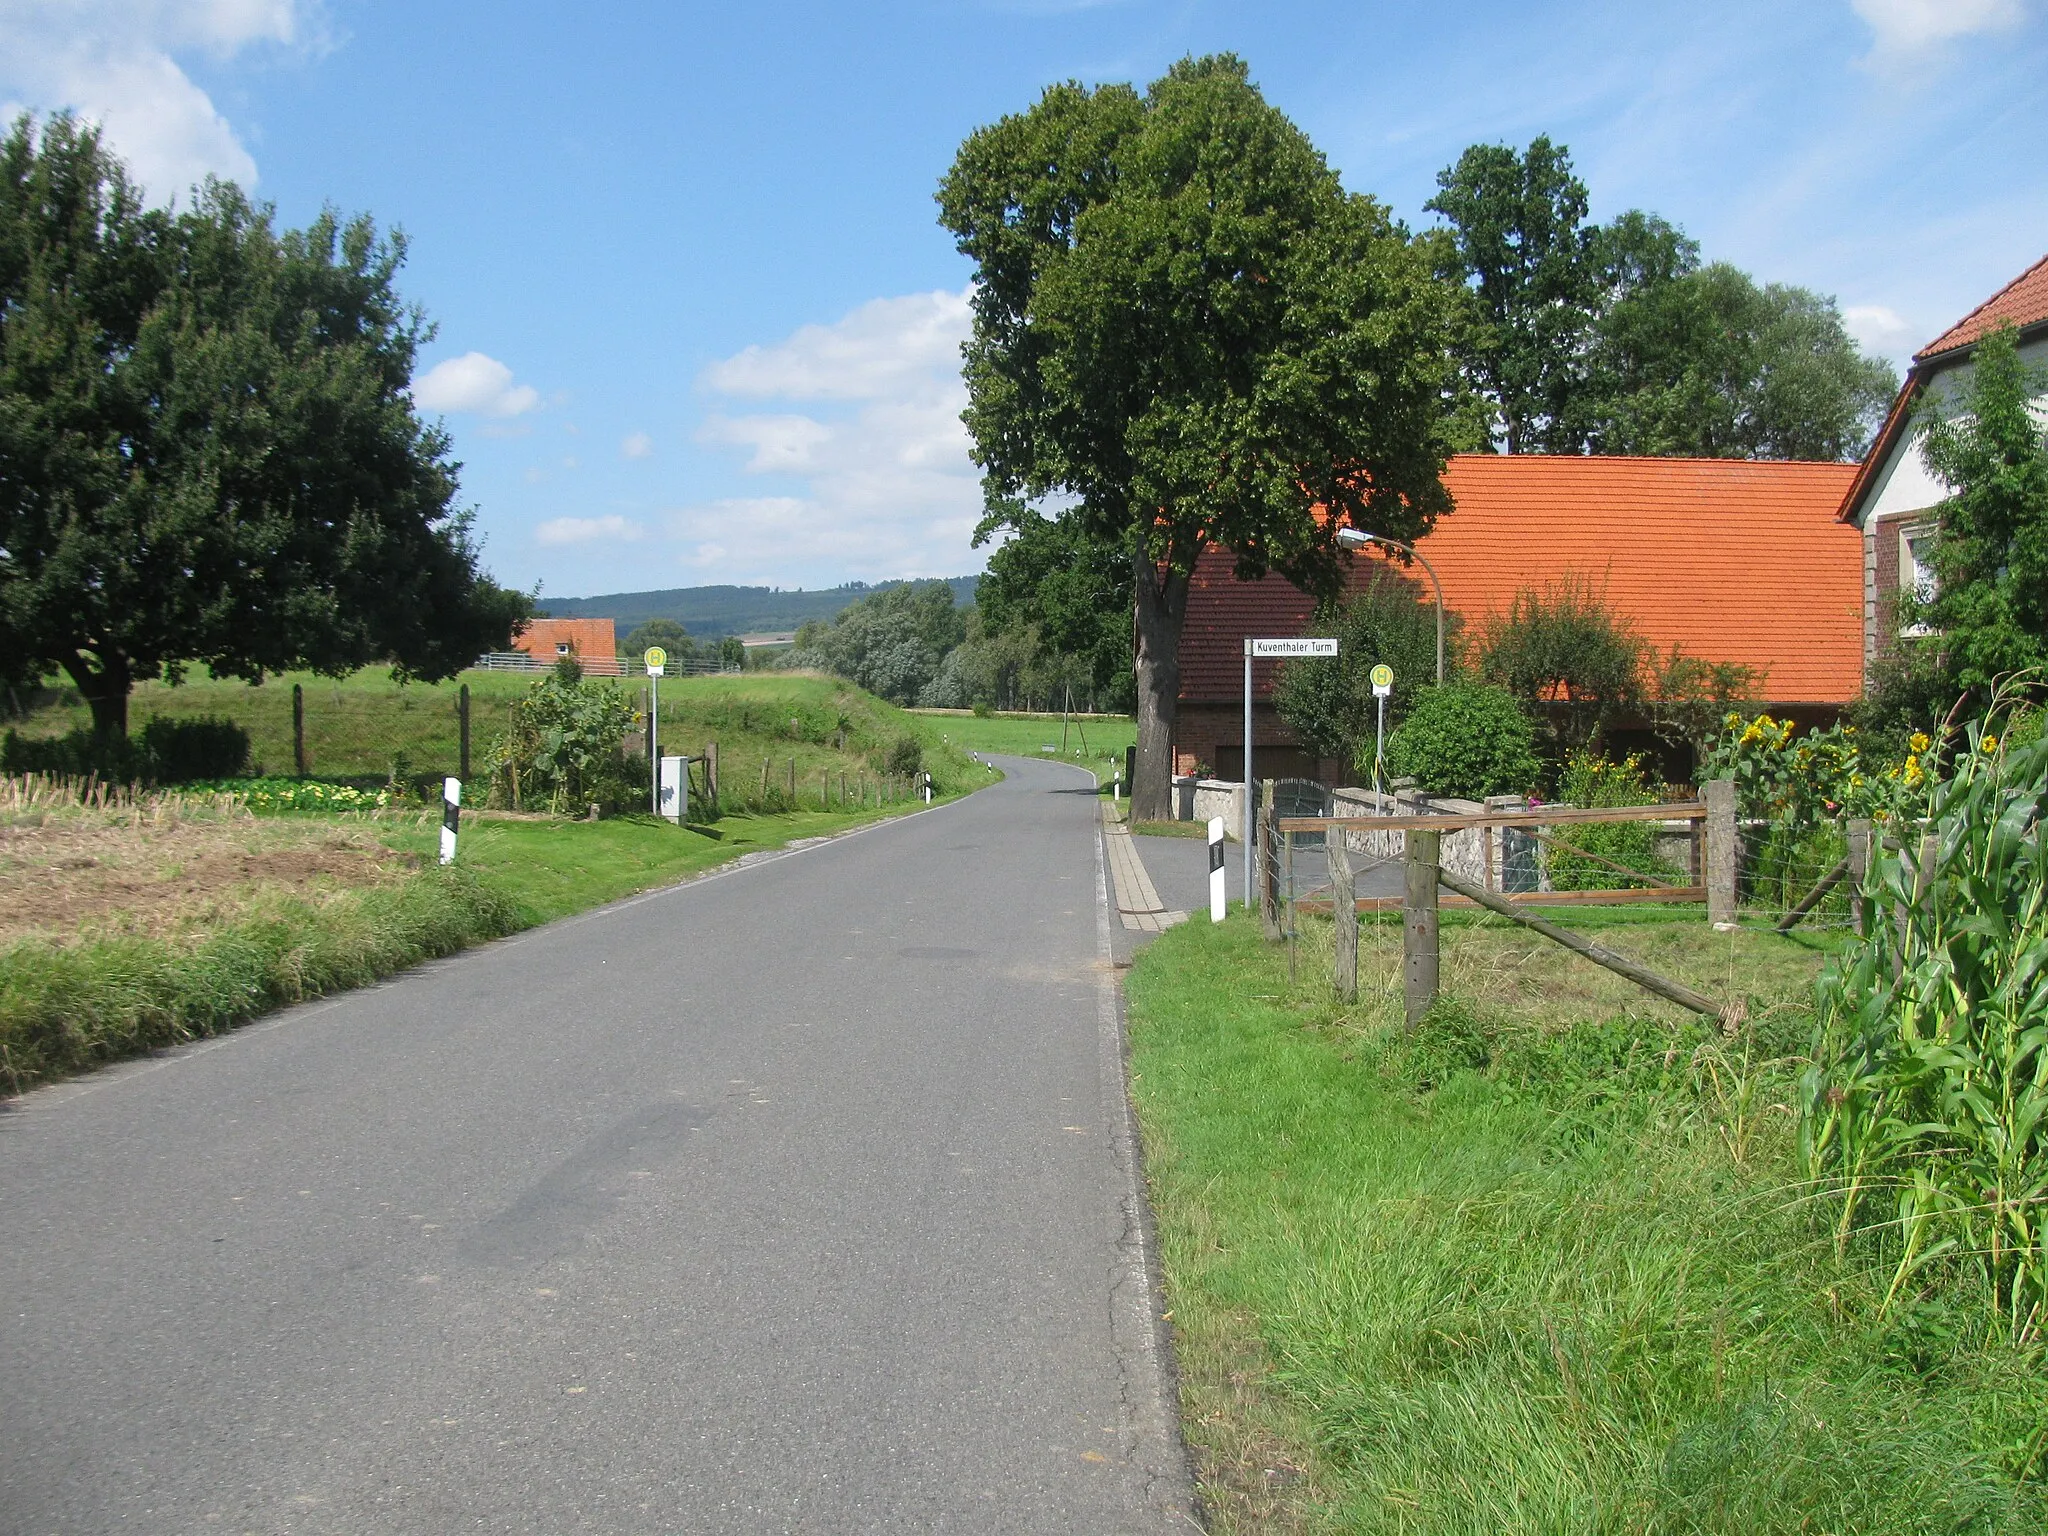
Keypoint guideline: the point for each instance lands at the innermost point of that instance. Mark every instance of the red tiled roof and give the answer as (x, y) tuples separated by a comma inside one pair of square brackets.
[(2022, 302), (1734, 560)]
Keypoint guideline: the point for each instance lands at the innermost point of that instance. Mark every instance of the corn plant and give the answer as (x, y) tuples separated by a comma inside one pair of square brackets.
[(1924, 1114)]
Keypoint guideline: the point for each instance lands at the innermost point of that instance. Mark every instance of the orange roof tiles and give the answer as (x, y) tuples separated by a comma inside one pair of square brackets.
[(1734, 560), (2022, 302)]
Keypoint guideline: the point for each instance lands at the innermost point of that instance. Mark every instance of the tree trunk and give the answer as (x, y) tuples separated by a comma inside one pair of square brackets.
[(1162, 604), (105, 691)]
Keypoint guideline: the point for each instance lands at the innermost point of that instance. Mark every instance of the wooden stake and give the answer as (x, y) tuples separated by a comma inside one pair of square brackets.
[(1343, 893), (1724, 849), (1418, 922)]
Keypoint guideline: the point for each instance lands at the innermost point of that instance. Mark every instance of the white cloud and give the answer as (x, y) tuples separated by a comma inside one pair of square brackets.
[(473, 383), (881, 349), (885, 484), (113, 62), (1882, 330), (587, 530), (636, 445), (1906, 31)]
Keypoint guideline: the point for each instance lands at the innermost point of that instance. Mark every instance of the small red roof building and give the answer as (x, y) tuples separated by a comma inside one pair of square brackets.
[(1731, 560), (590, 641)]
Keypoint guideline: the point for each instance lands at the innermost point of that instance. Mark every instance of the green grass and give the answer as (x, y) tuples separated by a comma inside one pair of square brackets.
[(359, 725), (1545, 1265), (1028, 735)]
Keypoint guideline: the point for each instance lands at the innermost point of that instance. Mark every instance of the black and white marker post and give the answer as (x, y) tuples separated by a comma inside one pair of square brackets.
[(451, 813), (1215, 869)]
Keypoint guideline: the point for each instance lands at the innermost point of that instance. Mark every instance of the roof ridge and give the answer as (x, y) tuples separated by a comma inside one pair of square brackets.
[(1935, 348)]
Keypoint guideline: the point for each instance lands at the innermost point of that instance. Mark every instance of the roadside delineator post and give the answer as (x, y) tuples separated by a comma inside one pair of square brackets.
[(1215, 869), (451, 814)]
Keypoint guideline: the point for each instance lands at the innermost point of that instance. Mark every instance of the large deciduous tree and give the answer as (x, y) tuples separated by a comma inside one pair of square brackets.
[(207, 450), (1184, 322), (1073, 588)]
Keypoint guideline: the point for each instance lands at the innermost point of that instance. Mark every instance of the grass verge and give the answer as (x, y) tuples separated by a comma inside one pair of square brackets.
[(1096, 742), (72, 1003), (1544, 1265)]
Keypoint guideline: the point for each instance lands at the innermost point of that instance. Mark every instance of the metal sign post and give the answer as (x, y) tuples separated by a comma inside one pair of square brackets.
[(657, 662), (1382, 684), (1265, 650)]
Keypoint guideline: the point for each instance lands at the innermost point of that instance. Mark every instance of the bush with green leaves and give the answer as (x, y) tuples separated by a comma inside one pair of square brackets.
[(1924, 1115), (165, 751), (1466, 740), (562, 748), (1591, 780)]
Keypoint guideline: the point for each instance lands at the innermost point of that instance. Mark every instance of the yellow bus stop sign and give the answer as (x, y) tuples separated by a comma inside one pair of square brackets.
[(657, 659)]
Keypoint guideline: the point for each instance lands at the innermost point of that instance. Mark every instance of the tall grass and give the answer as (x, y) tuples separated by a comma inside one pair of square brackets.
[(1926, 1109), (64, 1008), (1505, 1276)]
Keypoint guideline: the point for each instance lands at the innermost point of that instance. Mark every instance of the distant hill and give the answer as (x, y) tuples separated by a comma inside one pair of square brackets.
[(708, 612)]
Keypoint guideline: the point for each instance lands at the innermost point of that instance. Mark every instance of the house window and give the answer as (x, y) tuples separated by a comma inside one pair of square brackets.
[(561, 647), (1916, 570)]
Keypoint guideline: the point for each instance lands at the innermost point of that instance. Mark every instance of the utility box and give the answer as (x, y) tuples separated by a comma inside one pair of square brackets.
[(675, 788)]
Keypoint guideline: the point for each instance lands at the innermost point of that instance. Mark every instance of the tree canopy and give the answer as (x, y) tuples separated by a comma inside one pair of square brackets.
[(1074, 588), (1614, 339), (1990, 556), (890, 642), (208, 454), (1185, 323)]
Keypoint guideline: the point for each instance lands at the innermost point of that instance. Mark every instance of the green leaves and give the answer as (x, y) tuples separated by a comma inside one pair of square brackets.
[(207, 451), (1468, 740), (1925, 1112)]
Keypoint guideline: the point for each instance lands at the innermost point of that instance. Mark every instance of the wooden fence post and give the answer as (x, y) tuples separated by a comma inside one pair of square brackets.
[(462, 715), (1724, 849), (792, 783), (298, 731), (1859, 866), (711, 775), (1343, 913), (1418, 923), (1267, 865)]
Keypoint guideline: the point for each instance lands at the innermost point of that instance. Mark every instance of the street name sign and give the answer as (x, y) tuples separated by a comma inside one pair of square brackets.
[(1280, 648)]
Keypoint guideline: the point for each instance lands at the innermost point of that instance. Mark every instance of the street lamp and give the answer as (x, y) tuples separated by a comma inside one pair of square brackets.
[(1358, 538)]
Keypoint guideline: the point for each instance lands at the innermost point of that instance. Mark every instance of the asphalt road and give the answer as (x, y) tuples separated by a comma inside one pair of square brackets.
[(796, 1199)]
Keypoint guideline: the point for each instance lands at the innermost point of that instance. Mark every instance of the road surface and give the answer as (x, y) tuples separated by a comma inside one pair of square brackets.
[(799, 1198)]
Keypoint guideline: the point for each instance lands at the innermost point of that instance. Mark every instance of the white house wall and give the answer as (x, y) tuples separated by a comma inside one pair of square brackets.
[(1905, 484)]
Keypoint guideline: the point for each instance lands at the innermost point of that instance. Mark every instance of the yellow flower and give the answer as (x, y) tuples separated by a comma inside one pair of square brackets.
[(1988, 744), (1912, 773), (1919, 742)]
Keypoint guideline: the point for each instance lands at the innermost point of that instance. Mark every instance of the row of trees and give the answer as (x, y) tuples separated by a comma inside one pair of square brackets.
[(1188, 333), (912, 644), (208, 452)]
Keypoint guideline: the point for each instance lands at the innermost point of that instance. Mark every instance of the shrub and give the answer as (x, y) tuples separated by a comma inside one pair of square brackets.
[(561, 748), (181, 751), (1328, 701), (1565, 649), (165, 752), (1591, 780), (1467, 740), (906, 757)]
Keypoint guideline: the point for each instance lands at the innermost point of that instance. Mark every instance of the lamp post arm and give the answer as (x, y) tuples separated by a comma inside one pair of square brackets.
[(1437, 585)]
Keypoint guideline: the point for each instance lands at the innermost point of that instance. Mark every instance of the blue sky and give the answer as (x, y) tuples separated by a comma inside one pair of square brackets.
[(697, 322)]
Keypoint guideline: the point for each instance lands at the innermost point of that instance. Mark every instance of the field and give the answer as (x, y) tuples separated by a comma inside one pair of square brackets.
[(134, 921), (366, 725), (1093, 741), (1545, 1264)]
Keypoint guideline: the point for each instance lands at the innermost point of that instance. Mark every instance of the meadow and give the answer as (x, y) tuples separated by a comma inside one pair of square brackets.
[(1546, 1264)]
